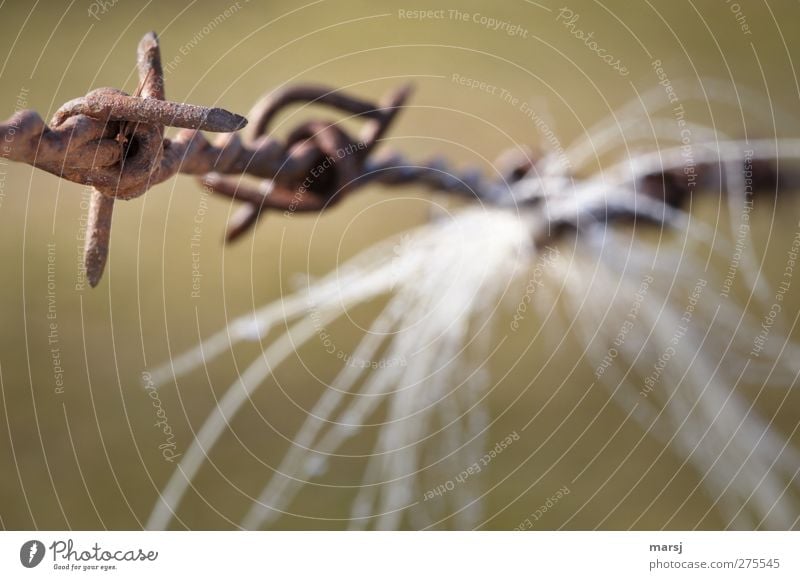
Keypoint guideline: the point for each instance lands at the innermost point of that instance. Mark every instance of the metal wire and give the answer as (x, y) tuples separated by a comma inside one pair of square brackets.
[(115, 143)]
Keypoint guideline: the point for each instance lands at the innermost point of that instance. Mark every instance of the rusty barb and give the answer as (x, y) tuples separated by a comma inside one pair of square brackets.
[(114, 142)]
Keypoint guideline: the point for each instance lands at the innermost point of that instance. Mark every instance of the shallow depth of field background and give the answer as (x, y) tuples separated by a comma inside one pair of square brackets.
[(88, 457)]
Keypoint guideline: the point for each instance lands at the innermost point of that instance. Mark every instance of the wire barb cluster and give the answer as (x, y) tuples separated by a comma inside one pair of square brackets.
[(115, 143)]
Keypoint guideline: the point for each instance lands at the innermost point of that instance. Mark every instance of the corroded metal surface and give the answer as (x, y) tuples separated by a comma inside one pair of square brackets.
[(115, 143)]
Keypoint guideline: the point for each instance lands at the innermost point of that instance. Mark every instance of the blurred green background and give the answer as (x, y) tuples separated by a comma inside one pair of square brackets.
[(88, 457)]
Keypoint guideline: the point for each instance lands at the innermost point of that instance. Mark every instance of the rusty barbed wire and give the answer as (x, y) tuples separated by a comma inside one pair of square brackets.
[(115, 143)]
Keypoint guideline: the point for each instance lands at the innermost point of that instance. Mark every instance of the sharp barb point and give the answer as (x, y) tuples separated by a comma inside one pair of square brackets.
[(98, 236), (222, 121)]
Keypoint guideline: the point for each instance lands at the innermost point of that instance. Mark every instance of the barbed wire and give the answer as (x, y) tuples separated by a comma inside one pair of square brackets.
[(115, 143)]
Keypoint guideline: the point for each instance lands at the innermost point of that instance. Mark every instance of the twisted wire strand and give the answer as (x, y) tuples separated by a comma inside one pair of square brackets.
[(115, 143)]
